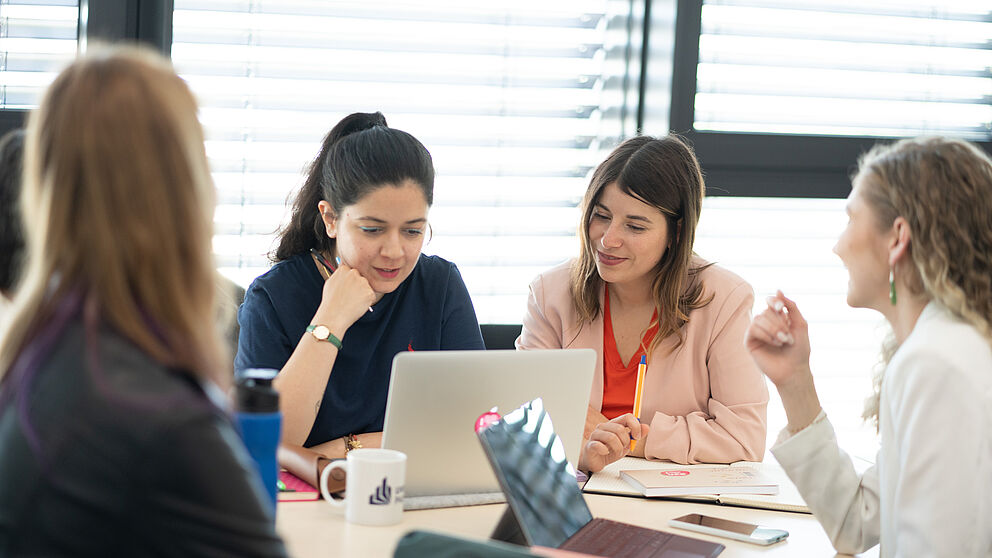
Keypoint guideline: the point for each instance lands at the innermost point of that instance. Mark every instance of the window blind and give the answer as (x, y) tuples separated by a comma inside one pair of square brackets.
[(517, 101), (37, 38), (787, 244), (868, 68), (846, 67)]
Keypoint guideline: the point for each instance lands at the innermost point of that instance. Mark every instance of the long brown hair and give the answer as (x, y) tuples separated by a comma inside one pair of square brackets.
[(118, 211), (663, 173), (943, 188)]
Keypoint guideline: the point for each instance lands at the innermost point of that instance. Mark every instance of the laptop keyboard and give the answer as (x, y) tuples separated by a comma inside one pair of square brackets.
[(613, 539)]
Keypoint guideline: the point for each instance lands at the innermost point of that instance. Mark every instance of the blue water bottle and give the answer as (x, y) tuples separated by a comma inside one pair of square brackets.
[(257, 411)]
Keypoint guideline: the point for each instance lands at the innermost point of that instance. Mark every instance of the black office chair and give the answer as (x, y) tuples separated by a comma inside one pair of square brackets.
[(500, 336)]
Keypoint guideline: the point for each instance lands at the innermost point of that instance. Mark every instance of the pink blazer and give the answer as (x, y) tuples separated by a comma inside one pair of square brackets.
[(706, 401)]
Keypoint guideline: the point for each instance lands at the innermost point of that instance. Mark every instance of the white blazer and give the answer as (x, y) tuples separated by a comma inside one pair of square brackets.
[(930, 491)]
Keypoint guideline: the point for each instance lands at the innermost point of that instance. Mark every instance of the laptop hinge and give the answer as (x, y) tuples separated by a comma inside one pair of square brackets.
[(508, 529)]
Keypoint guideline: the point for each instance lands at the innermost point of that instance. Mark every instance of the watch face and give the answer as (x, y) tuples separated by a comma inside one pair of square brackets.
[(321, 332)]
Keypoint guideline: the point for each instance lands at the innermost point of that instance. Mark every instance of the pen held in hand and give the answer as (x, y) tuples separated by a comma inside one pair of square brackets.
[(776, 305), (638, 392), (327, 265)]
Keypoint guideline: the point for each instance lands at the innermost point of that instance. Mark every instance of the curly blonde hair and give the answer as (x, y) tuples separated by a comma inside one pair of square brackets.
[(943, 188)]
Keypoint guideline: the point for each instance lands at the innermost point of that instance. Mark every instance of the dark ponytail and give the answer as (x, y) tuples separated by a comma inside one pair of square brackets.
[(360, 154)]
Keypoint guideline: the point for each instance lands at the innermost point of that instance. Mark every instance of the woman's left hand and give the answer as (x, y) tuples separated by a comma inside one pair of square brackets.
[(610, 441)]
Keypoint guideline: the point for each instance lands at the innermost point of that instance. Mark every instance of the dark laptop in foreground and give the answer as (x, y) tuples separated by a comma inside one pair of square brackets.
[(545, 505)]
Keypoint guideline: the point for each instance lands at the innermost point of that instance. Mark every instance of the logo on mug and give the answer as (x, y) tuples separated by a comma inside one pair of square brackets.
[(383, 494)]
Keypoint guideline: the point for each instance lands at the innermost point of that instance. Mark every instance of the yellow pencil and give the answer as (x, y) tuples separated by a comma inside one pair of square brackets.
[(638, 391)]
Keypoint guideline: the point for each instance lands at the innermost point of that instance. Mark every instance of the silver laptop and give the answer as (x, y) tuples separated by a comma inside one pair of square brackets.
[(435, 398)]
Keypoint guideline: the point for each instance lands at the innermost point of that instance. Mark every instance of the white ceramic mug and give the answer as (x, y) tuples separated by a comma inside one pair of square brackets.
[(374, 487)]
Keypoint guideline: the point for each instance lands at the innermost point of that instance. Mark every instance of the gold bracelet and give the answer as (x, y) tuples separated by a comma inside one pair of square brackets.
[(351, 442)]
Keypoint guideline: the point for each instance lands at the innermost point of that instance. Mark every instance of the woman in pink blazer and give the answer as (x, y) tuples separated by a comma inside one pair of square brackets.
[(637, 289)]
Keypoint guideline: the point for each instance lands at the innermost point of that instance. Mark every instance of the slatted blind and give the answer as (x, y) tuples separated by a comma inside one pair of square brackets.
[(516, 102), (884, 68), (846, 67), (37, 38), (787, 244)]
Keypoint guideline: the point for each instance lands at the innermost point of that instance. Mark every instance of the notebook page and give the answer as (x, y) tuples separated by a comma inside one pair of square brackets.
[(608, 481), (787, 499)]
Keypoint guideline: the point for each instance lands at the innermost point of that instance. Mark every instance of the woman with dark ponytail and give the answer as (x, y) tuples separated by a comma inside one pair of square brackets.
[(350, 288)]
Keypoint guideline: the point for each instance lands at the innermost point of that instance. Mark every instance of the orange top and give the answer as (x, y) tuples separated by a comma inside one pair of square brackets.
[(619, 379), (706, 402)]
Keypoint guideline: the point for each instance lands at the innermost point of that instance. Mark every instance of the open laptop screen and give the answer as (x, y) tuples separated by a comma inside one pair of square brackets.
[(539, 483), (434, 394)]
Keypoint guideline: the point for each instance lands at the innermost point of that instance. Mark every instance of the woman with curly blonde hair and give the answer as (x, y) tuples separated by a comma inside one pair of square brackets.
[(918, 247)]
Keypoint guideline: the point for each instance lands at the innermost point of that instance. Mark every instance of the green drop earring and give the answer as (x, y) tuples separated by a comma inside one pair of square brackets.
[(892, 287)]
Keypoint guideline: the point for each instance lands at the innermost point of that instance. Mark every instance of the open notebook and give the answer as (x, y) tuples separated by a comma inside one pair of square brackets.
[(608, 481)]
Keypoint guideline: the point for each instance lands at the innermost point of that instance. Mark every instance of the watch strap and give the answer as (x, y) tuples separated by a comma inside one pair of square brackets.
[(331, 338)]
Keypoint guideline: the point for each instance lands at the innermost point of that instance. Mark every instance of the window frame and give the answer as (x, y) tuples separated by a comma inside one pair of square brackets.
[(736, 164), (145, 21), (754, 164), (12, 119)]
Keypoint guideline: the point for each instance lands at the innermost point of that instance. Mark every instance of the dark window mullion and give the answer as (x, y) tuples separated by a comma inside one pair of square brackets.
[(145, 21), (756, 164)]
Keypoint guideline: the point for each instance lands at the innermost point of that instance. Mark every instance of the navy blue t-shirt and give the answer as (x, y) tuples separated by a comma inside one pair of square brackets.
[(430, 310)]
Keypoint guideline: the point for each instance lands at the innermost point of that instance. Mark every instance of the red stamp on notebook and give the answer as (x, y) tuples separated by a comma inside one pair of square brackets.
[(675, 473)]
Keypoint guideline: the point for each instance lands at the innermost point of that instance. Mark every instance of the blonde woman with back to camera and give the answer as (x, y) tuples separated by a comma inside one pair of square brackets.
[(918, 248), (113, 440)]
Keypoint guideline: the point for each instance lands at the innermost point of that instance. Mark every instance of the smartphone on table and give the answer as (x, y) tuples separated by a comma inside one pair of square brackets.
[(737, 530)]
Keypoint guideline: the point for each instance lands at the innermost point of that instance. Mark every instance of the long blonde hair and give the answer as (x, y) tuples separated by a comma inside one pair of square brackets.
[(663, 173), (943, 188), (118, 207)]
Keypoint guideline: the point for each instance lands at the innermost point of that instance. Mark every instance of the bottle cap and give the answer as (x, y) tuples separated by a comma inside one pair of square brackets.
[(255, 393)]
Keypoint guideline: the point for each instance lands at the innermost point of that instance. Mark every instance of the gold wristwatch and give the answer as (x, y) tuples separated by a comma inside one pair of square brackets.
[(323, 333)]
